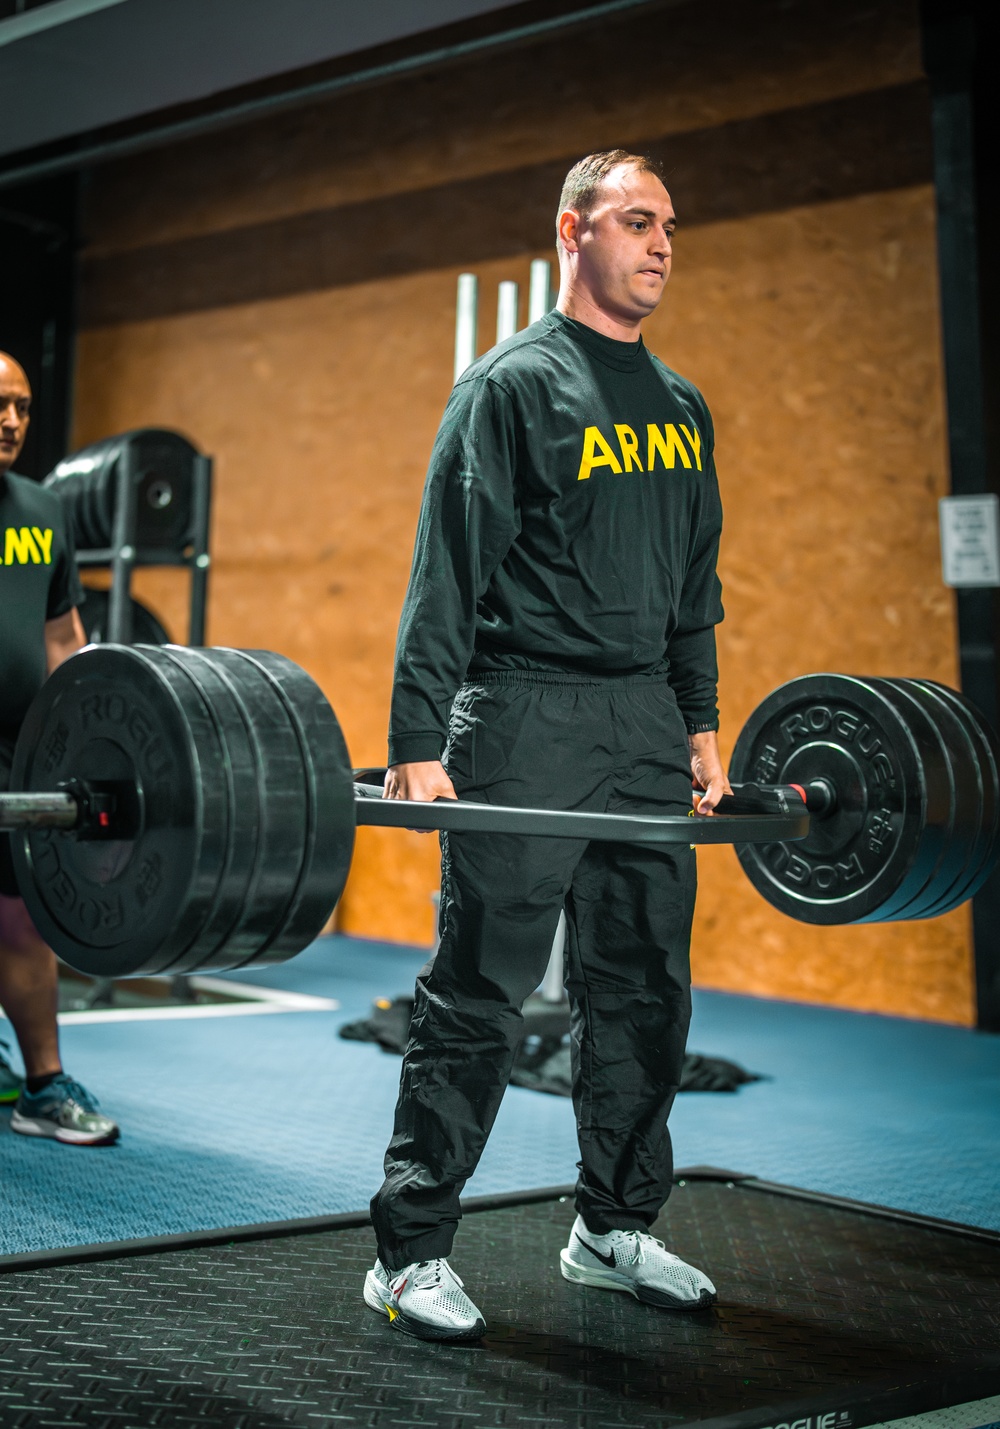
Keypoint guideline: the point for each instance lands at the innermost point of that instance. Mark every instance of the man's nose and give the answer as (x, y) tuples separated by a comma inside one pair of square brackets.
[(660, 244)]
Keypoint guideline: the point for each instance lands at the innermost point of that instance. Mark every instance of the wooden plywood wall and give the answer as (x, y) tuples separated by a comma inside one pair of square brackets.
[(285, 294)]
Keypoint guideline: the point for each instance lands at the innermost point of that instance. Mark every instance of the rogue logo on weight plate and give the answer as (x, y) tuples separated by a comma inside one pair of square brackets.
[(111, 708), (865, 847), (820, 719), (837, 1419)]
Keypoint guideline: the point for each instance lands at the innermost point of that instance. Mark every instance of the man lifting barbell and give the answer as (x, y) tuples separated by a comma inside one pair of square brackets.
[(183, 809), (39, 628), (557, 646)]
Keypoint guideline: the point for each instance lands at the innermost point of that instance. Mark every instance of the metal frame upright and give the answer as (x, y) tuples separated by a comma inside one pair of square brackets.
[(954, 42), (123, 555)]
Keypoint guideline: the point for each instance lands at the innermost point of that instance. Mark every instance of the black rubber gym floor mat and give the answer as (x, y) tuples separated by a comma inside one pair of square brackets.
[(823, 1312)]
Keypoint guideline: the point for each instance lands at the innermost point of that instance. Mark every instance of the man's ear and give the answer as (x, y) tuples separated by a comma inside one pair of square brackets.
[(569, 229)]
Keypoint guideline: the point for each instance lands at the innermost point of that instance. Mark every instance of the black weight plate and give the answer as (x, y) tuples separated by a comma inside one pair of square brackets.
[(954, 869), (946, 840), (162, 470), (330, 834), (146, 629), (984, 857), (132, 905), (857, 860), (281, 811), (279, 919), (234, 912)]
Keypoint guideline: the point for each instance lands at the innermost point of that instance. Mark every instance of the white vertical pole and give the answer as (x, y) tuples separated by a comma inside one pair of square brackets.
[(466, 312), (552, 983), (506, 310), (539, 289)]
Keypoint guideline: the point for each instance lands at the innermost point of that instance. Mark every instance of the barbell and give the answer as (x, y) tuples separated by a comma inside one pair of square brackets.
[(178, 809)]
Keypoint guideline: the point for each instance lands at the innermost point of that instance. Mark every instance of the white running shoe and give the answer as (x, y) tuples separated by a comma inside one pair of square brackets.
[(426, 1299), (636, 1263)]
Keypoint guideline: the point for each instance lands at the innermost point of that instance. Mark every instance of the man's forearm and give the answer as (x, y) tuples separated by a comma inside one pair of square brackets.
[(64, 636)]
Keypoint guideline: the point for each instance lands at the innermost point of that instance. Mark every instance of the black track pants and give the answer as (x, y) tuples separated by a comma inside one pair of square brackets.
[(554, 742)]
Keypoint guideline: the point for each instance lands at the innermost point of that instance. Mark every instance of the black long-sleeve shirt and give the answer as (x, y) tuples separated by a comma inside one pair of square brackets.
[(570, 522)]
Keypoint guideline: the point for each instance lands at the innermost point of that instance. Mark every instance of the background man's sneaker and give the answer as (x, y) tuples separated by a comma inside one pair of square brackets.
[(10, 1082), (636, 1263), (66, 1111), (427, 1300)]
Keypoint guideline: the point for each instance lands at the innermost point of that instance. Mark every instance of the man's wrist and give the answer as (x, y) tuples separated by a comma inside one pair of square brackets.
[(419, 748)]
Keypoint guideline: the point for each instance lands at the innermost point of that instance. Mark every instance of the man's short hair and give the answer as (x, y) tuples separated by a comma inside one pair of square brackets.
[(584, 181)]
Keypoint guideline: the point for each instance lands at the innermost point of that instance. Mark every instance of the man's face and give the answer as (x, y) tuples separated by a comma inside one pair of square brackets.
[(623, 244), (15, 399)]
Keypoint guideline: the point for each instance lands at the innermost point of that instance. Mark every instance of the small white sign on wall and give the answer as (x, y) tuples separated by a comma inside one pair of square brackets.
[(970, 540)]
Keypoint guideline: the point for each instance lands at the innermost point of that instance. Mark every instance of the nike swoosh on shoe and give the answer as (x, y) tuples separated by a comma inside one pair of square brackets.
[(608, 1260)]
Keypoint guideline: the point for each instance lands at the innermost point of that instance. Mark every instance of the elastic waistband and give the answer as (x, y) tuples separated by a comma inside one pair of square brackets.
[(532, 678)]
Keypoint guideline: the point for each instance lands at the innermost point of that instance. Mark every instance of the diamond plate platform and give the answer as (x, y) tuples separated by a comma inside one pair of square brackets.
[(827, 1316)]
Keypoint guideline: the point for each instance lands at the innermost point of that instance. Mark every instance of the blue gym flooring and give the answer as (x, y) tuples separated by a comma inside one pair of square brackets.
[(249, 1119)]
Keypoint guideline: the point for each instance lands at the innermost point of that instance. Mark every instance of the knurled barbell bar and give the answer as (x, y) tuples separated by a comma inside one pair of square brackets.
[(190, 809)]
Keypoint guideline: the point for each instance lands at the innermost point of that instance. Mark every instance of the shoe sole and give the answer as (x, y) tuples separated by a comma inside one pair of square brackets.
[(579, 1274), (7, 1097), (399, 1320), (27, 1127)]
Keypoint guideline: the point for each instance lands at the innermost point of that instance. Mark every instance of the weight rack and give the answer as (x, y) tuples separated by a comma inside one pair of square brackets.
[(123, 556), (100, 488)]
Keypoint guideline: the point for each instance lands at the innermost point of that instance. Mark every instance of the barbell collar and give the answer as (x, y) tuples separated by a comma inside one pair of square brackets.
[(460, 816), (821, 798)]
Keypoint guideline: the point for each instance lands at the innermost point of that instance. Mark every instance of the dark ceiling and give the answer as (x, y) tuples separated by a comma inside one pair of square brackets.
[(74, 66)]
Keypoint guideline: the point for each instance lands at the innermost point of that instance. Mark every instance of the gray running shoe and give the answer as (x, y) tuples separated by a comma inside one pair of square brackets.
[(426, 1300), (64, 1111), (10, 1081), (637, 1263)]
